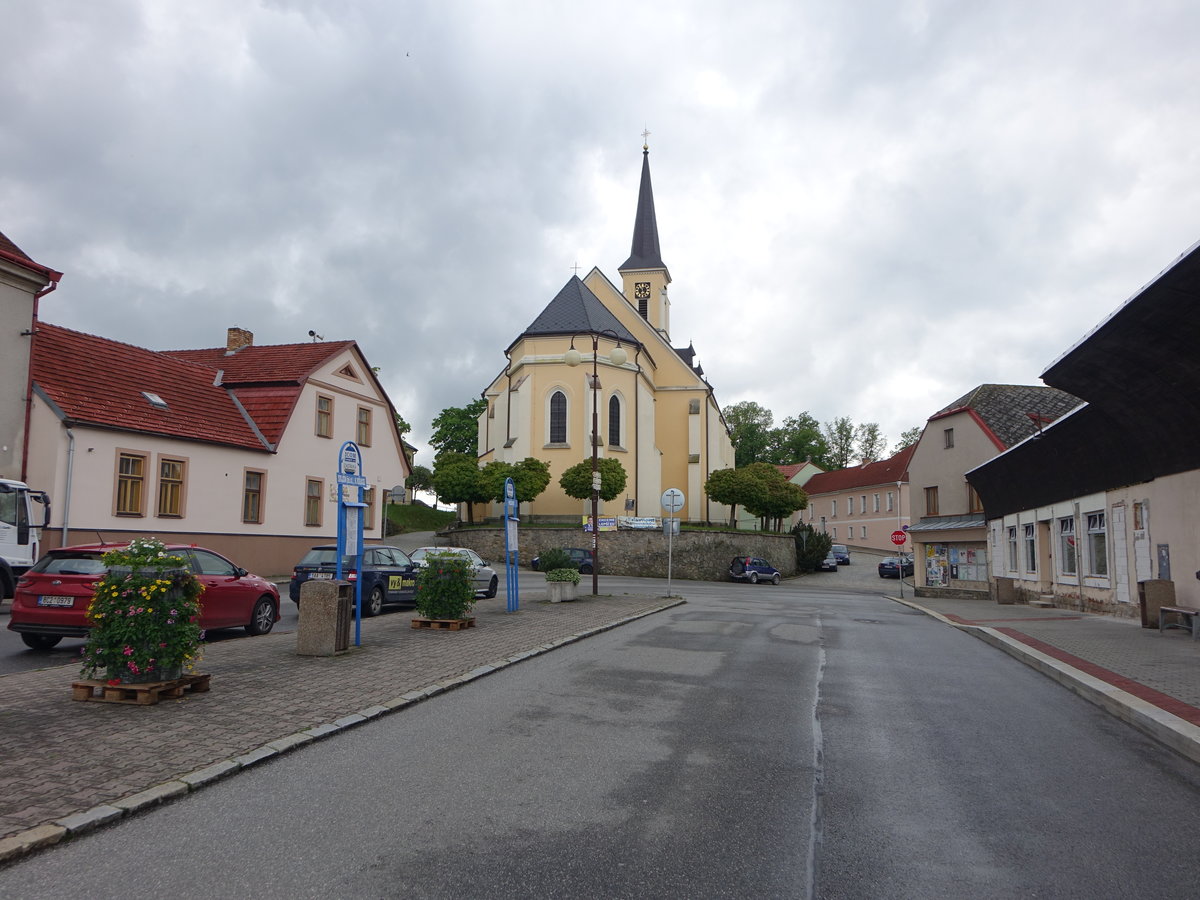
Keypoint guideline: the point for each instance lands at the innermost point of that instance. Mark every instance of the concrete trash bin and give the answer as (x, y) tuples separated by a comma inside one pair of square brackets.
[(326, 611), (1006, 591)]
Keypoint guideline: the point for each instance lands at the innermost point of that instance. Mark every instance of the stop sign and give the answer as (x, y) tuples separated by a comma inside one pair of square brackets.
[(899, 537)]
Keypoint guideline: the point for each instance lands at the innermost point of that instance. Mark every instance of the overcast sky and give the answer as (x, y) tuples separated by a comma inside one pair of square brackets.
[(867, 208)]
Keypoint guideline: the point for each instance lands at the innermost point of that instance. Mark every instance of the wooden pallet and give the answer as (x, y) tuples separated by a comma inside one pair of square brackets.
[(139, 694), (447, 624)]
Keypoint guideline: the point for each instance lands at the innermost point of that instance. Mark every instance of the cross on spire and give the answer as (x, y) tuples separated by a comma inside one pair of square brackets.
[(576, 268), (645, 139)]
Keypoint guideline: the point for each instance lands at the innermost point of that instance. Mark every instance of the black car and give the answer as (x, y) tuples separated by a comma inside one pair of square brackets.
[(829, 563), (842, 552), (891, 566), (388, 575), (753, 569), (581, 559)]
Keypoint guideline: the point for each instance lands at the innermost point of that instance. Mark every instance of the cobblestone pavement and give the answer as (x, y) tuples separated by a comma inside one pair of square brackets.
[(70, 765)]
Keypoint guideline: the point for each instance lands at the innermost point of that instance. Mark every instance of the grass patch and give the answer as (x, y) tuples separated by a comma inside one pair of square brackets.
[(408, 517)]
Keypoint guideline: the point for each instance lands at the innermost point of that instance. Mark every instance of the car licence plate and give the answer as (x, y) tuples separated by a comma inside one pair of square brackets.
[(56, 601), (321, 576)]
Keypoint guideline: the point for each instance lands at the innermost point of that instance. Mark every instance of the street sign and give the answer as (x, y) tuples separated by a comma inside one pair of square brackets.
[(672, 500), (899, 537)]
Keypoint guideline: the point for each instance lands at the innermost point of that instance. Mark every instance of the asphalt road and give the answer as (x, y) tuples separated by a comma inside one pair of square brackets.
[(756, 742)]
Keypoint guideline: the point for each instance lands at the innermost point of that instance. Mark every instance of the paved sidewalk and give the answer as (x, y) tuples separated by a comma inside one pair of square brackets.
[(69, 766), (1150, 680)]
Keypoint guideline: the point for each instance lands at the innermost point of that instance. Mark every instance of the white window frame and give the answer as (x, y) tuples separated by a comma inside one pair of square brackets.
[(1067, 561), (1012, 548), (1029, 541), (1097, 540)]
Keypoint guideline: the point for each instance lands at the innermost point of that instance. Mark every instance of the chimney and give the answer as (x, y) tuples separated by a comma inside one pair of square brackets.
[(236, 339)]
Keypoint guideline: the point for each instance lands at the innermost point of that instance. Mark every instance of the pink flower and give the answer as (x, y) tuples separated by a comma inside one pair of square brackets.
[(128, 651)]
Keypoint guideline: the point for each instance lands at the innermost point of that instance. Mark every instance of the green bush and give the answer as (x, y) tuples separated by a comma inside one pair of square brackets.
[(444, 588), (556, 558), (571, 575), (812, 546)]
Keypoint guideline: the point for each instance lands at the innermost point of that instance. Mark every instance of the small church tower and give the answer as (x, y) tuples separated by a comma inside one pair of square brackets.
[(644, 276)]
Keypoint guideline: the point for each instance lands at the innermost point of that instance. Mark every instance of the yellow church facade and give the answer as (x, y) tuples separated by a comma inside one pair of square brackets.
[(654, 410)]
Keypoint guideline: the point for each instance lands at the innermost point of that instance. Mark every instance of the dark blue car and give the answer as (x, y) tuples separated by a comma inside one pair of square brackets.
[(388, 575), (753, 569)]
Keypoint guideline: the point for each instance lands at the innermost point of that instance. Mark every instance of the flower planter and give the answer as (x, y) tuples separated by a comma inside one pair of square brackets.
[(560, 591)]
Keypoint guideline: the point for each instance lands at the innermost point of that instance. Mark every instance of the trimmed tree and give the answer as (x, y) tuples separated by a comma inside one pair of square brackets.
[(457, 478), (577, 480), (530, 477)]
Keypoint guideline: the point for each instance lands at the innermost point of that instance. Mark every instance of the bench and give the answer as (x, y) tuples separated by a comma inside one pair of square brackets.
[(1189, 618)]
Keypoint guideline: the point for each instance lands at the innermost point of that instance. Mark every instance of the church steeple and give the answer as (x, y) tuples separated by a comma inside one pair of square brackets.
[(644, 275)]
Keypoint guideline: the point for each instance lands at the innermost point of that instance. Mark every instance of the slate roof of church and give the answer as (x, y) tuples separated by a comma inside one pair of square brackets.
[(1012, 412), (576, 309), (645, 253)]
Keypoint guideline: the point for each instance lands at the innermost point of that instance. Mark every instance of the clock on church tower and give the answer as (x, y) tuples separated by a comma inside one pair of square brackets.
[(641, 290)]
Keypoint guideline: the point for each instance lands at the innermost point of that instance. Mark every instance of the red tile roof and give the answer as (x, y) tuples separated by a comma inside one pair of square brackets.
[(97, 381), (886, 471), (789, 471), (13, 253), (268, 364)]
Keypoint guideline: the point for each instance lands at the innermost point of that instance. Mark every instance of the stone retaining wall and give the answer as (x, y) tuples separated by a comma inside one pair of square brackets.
[(695, 555)]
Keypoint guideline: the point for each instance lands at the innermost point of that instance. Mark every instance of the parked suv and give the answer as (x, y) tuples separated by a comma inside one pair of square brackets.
[(753, 569), (388, 575)]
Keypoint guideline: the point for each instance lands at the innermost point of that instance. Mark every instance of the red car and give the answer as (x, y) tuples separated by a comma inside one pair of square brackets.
[(52, 598)]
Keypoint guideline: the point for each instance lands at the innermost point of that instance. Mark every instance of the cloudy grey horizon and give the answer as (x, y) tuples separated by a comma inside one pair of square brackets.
[(866, 209)]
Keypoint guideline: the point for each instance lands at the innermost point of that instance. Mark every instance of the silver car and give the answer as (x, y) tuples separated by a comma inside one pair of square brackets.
[(483, 575)]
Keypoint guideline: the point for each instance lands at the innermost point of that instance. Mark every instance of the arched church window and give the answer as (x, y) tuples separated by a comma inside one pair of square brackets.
[(614, 421), (558, 418)]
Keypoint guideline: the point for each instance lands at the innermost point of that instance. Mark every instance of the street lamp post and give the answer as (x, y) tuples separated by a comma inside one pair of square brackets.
[(573, 358)]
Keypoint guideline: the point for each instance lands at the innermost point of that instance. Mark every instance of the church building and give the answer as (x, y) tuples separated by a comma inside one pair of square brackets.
[(655, 410)]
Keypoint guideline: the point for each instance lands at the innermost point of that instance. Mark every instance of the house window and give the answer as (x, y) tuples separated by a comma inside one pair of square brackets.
[(835, 532), (363, 432), (369, 499), (1066, 546), (252, 496), (974, 502), (313, 489), (324, 416), (876, 504), (891, 501), (948, 437), (862, 504), (862, 532), (1097, 544), (833, 509), (1030, 549), (850, 507), (170, 487), (131, 484), (1012, 548), (931, 501), (558, 418), (614, 421)]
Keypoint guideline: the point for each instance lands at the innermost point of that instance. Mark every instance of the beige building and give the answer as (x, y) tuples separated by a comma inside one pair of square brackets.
[(653, 409), (232, 447), (862, 505), (1102, 505), (949, 535), (23, 283)]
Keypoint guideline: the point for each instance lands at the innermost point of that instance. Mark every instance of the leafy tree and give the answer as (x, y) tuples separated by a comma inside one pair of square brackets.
[(839, 437), (812, 546), (530, 477), (769, 495), (457, 478), (577, 480), (456, 429), (421, 478), (908, 438), (798, 439), (870, 441), (750, 431), (724, 486), (402, 426)]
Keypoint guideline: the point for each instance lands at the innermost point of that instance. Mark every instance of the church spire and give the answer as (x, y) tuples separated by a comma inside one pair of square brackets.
[(645, 253)]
